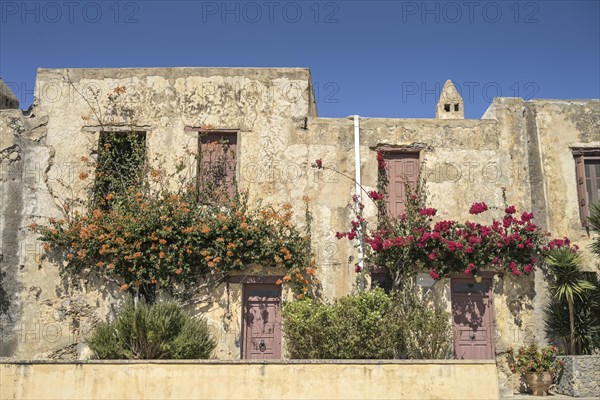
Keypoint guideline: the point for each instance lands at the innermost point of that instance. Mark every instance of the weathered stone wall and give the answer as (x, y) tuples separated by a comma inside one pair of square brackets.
[(580, 376), (12, 129), (560, 126), (8, 100), (268, 108), (41, 312), (518, 145)]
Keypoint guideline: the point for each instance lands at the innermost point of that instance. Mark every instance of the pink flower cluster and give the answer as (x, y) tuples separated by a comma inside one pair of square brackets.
[(428, 211), (564, 242), (450, 247), (353, 232), (433, 273), (375, 196), (380, 160), (478, 208)]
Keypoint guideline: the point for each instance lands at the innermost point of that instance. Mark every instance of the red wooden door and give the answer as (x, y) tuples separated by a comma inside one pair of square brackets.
[(262, 321), (402, 168), (473, 319)]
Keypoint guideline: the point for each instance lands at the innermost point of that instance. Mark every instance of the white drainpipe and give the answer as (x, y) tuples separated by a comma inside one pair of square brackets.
[(359, 195)]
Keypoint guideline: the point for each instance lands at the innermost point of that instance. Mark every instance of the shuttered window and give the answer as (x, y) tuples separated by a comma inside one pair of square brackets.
[(587, 168), (402, 168), (217, 165)]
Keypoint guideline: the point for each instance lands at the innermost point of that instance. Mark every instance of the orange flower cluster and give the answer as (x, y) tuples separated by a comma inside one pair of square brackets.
[(167, 239), (287, 254)]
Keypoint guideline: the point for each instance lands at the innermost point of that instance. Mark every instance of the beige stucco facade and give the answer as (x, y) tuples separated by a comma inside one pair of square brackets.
[(243, 380), (523, 146)]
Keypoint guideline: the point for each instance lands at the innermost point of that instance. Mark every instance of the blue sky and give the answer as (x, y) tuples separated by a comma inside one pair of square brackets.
[(375, 58)]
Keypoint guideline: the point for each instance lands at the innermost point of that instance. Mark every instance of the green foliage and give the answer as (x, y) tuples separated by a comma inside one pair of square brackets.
[(586, 320), (571, 295), (565, 266), (169, 241), (425, 330), (355, 327), (367, 325), (157, 331), (531, 359), (154, 230), (594, 223), (121, 162)]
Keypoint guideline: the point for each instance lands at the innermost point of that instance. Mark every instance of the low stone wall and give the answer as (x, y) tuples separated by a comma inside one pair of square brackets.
[(580, 376), (335, 379)]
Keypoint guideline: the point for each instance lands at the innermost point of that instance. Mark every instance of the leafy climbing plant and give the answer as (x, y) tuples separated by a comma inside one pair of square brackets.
[(414, 242), (151, 230), (594, 220)]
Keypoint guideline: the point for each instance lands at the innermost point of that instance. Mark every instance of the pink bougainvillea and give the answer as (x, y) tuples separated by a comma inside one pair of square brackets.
[(415, 242), (478, 208)]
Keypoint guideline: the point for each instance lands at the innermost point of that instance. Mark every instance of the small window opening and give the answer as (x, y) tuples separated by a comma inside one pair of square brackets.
[(382, 279), (121, 158), (456, 107), (447, 107), (216, 173)]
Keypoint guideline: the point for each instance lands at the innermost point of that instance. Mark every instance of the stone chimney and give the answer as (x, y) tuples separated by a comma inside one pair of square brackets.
[(8, 100), (450, 105)]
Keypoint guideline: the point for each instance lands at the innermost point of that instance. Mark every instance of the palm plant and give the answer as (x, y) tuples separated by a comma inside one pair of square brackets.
[(587, 322), (565, 265)]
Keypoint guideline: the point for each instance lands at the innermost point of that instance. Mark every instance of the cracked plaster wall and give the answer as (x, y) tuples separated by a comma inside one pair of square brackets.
[(521, 146)]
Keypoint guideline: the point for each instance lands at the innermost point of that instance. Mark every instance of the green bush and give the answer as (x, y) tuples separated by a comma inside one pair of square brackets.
[(367, 325), (426, 330), (152, 331)]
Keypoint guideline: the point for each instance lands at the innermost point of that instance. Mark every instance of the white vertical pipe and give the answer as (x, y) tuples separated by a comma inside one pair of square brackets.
[(358, 190)]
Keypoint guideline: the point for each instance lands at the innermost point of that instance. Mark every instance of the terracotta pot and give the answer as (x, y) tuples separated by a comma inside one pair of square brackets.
[(539, 382)]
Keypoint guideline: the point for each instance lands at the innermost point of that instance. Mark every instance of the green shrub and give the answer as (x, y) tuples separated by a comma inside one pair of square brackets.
[(367, 325), (152, 331), (354, 327), (425, 330)]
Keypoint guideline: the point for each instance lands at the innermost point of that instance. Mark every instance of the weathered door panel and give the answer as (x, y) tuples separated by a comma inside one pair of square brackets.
[(262, 322), (473, 319), (402, 168)]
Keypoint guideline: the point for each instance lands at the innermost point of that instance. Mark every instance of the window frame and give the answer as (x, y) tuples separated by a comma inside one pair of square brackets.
[(102, 132), (233, 133), (581, 155), (408, 151)]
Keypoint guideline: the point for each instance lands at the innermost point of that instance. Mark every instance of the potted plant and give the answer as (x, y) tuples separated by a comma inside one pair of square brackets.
[(537, 365)]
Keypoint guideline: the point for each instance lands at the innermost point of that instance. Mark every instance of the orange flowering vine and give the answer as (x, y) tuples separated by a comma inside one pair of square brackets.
[(170, 240)]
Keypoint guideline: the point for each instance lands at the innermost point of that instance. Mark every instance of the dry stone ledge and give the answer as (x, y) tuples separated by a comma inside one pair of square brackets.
[(8, 100), (580, 376)]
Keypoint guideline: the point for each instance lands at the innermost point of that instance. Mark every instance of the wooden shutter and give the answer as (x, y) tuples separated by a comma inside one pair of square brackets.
[(402, 168), (581, 189), (217, 164)]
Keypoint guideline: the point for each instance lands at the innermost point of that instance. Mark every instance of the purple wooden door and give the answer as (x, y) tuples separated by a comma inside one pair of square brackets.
[(473, 319), (262, 322), (402, 168)]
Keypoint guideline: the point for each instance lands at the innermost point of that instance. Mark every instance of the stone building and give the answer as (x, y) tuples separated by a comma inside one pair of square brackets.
[(546, 153)]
